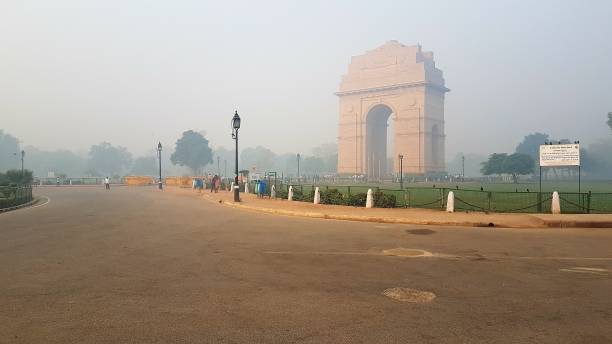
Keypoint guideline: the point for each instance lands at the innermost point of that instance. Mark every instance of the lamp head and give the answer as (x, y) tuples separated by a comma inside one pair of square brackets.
[(236, 121)]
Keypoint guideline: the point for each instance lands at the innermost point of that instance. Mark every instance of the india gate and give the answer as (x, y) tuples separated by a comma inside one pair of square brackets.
[(398, 83)]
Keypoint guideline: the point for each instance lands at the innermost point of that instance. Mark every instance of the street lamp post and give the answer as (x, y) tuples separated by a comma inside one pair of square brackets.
[(159, 150), (22, 156), (218, 168), (462, 168), (401, 161), (235, 127), (298, 171)]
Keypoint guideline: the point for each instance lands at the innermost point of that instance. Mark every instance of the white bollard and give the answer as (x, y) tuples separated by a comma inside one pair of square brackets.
[(450, 202), (246, 187), (273, 191), (290, 193), (70, 181), (232, 186), (369, 199), (317, 196), (555, 207)]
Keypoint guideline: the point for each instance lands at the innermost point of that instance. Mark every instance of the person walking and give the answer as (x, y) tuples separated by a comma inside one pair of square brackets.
[(107, 183), (212, 183), (217, 183)]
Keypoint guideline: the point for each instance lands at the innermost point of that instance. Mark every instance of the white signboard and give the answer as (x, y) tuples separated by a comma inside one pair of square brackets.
[(560, 155)]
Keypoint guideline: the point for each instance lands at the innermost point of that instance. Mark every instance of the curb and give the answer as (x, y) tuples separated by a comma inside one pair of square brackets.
[(539, 223), (375, 219), (29, 204)]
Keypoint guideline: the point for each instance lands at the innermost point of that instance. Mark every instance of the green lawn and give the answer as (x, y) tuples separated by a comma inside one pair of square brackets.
[(494, 197)]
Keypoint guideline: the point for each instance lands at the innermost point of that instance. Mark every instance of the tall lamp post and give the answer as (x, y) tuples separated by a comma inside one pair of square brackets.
[(235, 127), (462, 168), (298, 172), (401, 161), (22, 156), (159, 150)]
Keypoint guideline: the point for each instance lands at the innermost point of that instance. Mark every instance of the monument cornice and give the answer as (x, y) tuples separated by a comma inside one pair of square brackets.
[(393, 87)]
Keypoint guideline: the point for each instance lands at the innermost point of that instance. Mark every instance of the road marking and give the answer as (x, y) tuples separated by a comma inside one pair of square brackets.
[(586, 270), (418, 253), (48, 200)]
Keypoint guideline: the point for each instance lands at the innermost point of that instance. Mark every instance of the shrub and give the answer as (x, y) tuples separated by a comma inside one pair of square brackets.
[(357, 200), (382, 200), (332, 196), (282, 194)]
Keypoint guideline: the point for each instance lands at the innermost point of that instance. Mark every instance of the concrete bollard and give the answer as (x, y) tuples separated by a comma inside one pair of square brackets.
[(70, 181), (232, 186), (555, 207), (246, 187), (369, 199), (450, 202), (273, 191), (317, 196), (290, 194)]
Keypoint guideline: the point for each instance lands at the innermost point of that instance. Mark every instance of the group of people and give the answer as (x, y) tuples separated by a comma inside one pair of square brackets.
[(215, 183)]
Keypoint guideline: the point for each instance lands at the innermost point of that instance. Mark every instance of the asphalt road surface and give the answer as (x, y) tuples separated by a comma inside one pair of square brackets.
[(136, 265)]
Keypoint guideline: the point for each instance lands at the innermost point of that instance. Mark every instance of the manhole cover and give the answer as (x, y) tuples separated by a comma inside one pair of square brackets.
[(420, 231), (409, 295), (406, 252)]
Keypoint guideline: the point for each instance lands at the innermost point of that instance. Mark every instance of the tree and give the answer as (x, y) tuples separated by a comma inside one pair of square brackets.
[(259, 157), (145, 166), (192, 150), (60, 162), (518, 164), (108, 160), (494, 165), (15, 177), (515, 164), (9, 146), (531, 145)]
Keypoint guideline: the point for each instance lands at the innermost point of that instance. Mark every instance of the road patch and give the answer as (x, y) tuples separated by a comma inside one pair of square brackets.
[(409, 295)]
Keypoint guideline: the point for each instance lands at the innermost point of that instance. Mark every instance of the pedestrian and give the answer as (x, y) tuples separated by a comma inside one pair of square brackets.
[(212, 183), (107, 183), (217, 183)]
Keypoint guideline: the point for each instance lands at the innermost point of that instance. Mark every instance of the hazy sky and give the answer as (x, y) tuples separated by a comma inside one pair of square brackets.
[(76, 73)]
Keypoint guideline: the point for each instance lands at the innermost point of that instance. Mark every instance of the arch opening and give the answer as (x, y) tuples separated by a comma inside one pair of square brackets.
[(379, 142)]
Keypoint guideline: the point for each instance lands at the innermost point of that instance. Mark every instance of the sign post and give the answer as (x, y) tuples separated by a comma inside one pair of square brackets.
[(552, 155)]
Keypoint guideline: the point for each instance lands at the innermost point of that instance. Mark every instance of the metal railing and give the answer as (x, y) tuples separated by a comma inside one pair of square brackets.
[(474, 200), (12, 196)]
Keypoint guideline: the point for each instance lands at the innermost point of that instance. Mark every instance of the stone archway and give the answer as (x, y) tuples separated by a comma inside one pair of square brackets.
[(376, 140), (396, 80)]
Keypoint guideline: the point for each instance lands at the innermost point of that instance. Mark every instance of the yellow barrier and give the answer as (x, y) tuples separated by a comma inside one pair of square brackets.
[(139, 180), (184, 182)]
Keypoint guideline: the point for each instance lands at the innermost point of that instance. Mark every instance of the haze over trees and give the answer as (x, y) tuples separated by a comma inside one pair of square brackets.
[(192, 150), (9, 148), (514, 164), (105, 159)]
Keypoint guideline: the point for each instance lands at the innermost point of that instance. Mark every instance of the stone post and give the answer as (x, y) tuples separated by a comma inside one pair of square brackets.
[(290, 194), (369, 199), (246, 187), (556, 203), (450, 202), (273, 191), (317, 196)]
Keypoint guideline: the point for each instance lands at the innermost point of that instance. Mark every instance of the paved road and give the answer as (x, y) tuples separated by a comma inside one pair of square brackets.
[(135, 265)]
